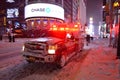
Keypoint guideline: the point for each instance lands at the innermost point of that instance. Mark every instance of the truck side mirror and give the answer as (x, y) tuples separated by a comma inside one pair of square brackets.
[(69, 36)]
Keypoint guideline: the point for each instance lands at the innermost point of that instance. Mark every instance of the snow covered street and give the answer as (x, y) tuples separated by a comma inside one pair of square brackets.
[(96, 62), (100, 64)]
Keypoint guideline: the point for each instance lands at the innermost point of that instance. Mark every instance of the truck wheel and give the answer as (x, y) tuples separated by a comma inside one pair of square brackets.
[(62, 61)]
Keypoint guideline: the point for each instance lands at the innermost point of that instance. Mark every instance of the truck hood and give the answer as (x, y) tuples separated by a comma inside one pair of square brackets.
[(49, 40)]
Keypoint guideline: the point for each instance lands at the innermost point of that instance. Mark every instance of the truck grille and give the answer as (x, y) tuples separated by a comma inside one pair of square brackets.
[(39, 48)]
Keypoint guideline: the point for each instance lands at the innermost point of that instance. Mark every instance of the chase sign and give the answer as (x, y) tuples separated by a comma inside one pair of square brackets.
[(44, 10)]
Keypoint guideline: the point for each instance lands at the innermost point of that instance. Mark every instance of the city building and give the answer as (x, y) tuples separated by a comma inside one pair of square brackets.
[(2, 14), (12, 12), (74, 11), (111, 16), (82, 12)]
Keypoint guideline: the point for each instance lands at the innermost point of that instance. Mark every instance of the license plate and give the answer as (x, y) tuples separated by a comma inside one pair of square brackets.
[(32, 58)]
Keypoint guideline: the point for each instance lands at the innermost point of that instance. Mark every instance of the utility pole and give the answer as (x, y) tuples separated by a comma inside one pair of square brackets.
[(118, 46), (62, 3), (111, 19)]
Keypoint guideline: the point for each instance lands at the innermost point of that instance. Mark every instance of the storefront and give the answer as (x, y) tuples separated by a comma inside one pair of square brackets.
[(40, 15)]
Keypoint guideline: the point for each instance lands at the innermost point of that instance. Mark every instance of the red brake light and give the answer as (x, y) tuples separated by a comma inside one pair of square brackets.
[(65, 27)]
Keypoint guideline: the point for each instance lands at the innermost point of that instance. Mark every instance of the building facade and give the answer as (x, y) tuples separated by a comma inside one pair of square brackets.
[(82, 17), (74, 10), (110, 16)]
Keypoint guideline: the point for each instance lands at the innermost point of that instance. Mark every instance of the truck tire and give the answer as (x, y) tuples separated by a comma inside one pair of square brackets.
[(62, 61)]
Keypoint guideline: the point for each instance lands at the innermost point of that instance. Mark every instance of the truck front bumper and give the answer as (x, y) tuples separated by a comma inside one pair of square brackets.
[(38, 57)]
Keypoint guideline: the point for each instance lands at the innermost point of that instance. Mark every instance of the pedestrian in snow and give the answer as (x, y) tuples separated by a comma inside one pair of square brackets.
[(87, 39), (11, 35)]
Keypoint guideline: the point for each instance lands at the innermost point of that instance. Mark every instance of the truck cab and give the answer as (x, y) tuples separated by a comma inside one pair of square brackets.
[(56, 45)]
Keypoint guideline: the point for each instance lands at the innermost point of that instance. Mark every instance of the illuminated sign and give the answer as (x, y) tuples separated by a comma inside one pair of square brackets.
[(12, 13), (10, 1), (44, 10)]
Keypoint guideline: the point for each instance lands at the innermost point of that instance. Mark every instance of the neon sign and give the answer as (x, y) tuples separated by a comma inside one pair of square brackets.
[(44, 10)]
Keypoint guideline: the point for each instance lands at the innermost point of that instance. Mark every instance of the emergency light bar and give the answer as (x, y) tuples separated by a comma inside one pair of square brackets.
[(64, 28)]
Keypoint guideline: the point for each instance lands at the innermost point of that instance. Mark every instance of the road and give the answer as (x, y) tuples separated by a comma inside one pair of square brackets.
[(14, 67), (10, 53)]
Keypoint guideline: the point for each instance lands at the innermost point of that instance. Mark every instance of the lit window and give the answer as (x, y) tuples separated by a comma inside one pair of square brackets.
[(10, 1)]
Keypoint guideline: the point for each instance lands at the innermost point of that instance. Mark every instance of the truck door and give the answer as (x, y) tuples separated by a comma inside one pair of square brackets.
[(70, 44)]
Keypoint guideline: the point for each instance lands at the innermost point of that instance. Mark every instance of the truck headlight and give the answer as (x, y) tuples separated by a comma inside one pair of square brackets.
[(52, 49)]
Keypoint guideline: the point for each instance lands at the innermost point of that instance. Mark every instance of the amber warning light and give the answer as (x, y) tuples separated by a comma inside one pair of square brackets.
[(64, 28)]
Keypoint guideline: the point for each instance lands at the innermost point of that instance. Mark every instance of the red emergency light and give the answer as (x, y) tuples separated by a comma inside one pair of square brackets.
[(64, 27)]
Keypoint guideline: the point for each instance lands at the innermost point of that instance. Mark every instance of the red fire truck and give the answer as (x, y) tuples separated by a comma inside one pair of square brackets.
[(57, 44)]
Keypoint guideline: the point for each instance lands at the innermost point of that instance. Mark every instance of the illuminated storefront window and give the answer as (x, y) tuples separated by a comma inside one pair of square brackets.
[(10, 1), (41, 22)]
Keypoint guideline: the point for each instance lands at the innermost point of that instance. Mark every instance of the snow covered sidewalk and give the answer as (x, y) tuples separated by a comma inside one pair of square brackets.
[(100, 63)]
